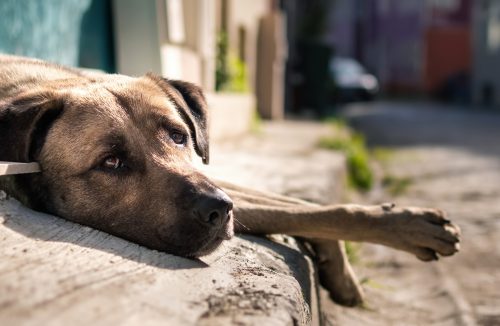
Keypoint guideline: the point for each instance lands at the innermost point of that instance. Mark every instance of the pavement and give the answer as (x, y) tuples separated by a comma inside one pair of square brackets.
[(282, 157), (54, 272), (450, 158)]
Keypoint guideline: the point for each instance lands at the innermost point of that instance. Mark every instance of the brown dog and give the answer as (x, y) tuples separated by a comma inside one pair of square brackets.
[(116, 154)]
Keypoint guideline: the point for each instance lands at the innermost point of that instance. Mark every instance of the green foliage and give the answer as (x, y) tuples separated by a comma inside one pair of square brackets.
[(230, 72), (375, 285), (396, 185), (359, 167), (352, 251), (382, 154), (256, 123), (336, 123), (221, 66), (358, 158), (238, 81)]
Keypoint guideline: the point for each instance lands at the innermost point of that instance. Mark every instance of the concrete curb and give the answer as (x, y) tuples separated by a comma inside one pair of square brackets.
[(54, 272)]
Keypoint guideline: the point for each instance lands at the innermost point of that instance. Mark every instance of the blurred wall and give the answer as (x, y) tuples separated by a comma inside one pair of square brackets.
[(177, 38), (341, 19), (96, 37), (45, 29), (412, 46), (393, 42), (243, 26), (173, 38), (69, 32), (137, 39), (486, 47)]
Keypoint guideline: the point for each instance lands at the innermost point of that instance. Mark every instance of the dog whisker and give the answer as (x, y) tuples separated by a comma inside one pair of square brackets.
[(243, 225)]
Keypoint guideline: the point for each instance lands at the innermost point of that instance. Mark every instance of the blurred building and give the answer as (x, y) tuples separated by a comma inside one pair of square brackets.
[(236, 50), (249, 54), (58, 30), (413, 46), (223, 45), (309, 84), (486, 72)]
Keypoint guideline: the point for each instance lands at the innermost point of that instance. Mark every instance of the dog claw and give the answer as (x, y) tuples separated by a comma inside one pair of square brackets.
[(388, 206)]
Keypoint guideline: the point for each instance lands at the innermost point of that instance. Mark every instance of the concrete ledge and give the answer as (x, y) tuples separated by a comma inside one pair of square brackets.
[(54, 272), (231, 114), (282, 158)]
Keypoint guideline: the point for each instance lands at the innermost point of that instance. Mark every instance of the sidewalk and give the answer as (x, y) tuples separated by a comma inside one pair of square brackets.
[(282, 157)]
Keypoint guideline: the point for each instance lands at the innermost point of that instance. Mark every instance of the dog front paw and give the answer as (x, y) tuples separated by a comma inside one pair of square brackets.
[(426, 233)]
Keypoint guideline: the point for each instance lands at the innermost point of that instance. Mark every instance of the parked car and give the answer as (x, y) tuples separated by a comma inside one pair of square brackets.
[(352, 81)]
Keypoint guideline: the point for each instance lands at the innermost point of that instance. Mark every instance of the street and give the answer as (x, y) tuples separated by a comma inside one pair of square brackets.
[(445, 157)]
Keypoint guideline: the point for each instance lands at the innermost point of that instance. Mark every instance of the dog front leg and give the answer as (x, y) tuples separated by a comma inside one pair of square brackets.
[(334, 269), (421, 231), (335, 272)]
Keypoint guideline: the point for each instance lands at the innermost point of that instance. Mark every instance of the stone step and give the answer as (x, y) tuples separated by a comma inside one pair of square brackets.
[(54, 272)]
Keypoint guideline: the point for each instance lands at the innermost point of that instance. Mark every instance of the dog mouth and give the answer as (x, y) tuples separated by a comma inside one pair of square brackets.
[(225, 232), (204, 244)]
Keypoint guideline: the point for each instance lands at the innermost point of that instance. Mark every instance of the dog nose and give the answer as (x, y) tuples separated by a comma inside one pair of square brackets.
[(213, 208)]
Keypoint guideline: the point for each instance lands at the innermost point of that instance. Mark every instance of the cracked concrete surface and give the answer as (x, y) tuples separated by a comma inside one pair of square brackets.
[(55, 272)]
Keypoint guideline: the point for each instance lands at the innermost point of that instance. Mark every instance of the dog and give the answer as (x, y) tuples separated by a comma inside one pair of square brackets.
[(116, 154)]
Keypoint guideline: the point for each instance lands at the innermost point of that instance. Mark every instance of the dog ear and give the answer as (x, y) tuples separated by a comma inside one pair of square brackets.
[(24, 124), (195, 113)]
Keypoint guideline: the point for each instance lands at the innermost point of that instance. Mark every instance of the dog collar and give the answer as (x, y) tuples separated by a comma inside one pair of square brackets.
[(9, 168)]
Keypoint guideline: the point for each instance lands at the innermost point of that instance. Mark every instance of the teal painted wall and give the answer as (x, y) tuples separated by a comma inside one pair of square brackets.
[(69, 32), (96, 37)]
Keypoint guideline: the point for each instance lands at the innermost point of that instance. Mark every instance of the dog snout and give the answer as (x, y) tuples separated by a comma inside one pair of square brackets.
[(213, 208)]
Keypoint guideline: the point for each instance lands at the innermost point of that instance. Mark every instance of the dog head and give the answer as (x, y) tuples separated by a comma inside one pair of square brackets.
[(116, 154)]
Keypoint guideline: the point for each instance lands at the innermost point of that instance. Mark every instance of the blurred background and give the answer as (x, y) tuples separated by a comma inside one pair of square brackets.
[(405, 93), (289, 57)]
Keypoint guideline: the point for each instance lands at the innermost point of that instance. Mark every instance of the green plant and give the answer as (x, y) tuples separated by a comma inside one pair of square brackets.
[(230, 71), (359, 168), (221, 66), (336, 122), (383, 154), (238, 77), (358, 159), (396, 185), (256, 123), (374, 284), (352, 251)]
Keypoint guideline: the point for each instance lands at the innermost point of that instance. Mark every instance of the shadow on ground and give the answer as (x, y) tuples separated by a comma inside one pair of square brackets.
[(426, 124)]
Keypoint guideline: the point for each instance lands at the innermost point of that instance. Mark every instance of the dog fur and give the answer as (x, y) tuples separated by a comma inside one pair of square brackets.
[(116, 154)]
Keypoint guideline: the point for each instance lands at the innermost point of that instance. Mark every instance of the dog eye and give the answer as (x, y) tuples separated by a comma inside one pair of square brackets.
[(112, 163), (178, 137)]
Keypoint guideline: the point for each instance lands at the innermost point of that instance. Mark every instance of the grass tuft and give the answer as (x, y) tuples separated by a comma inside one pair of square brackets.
[(352, 251), (256, 123), (382, 154), (396, 185), (358, 158)]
